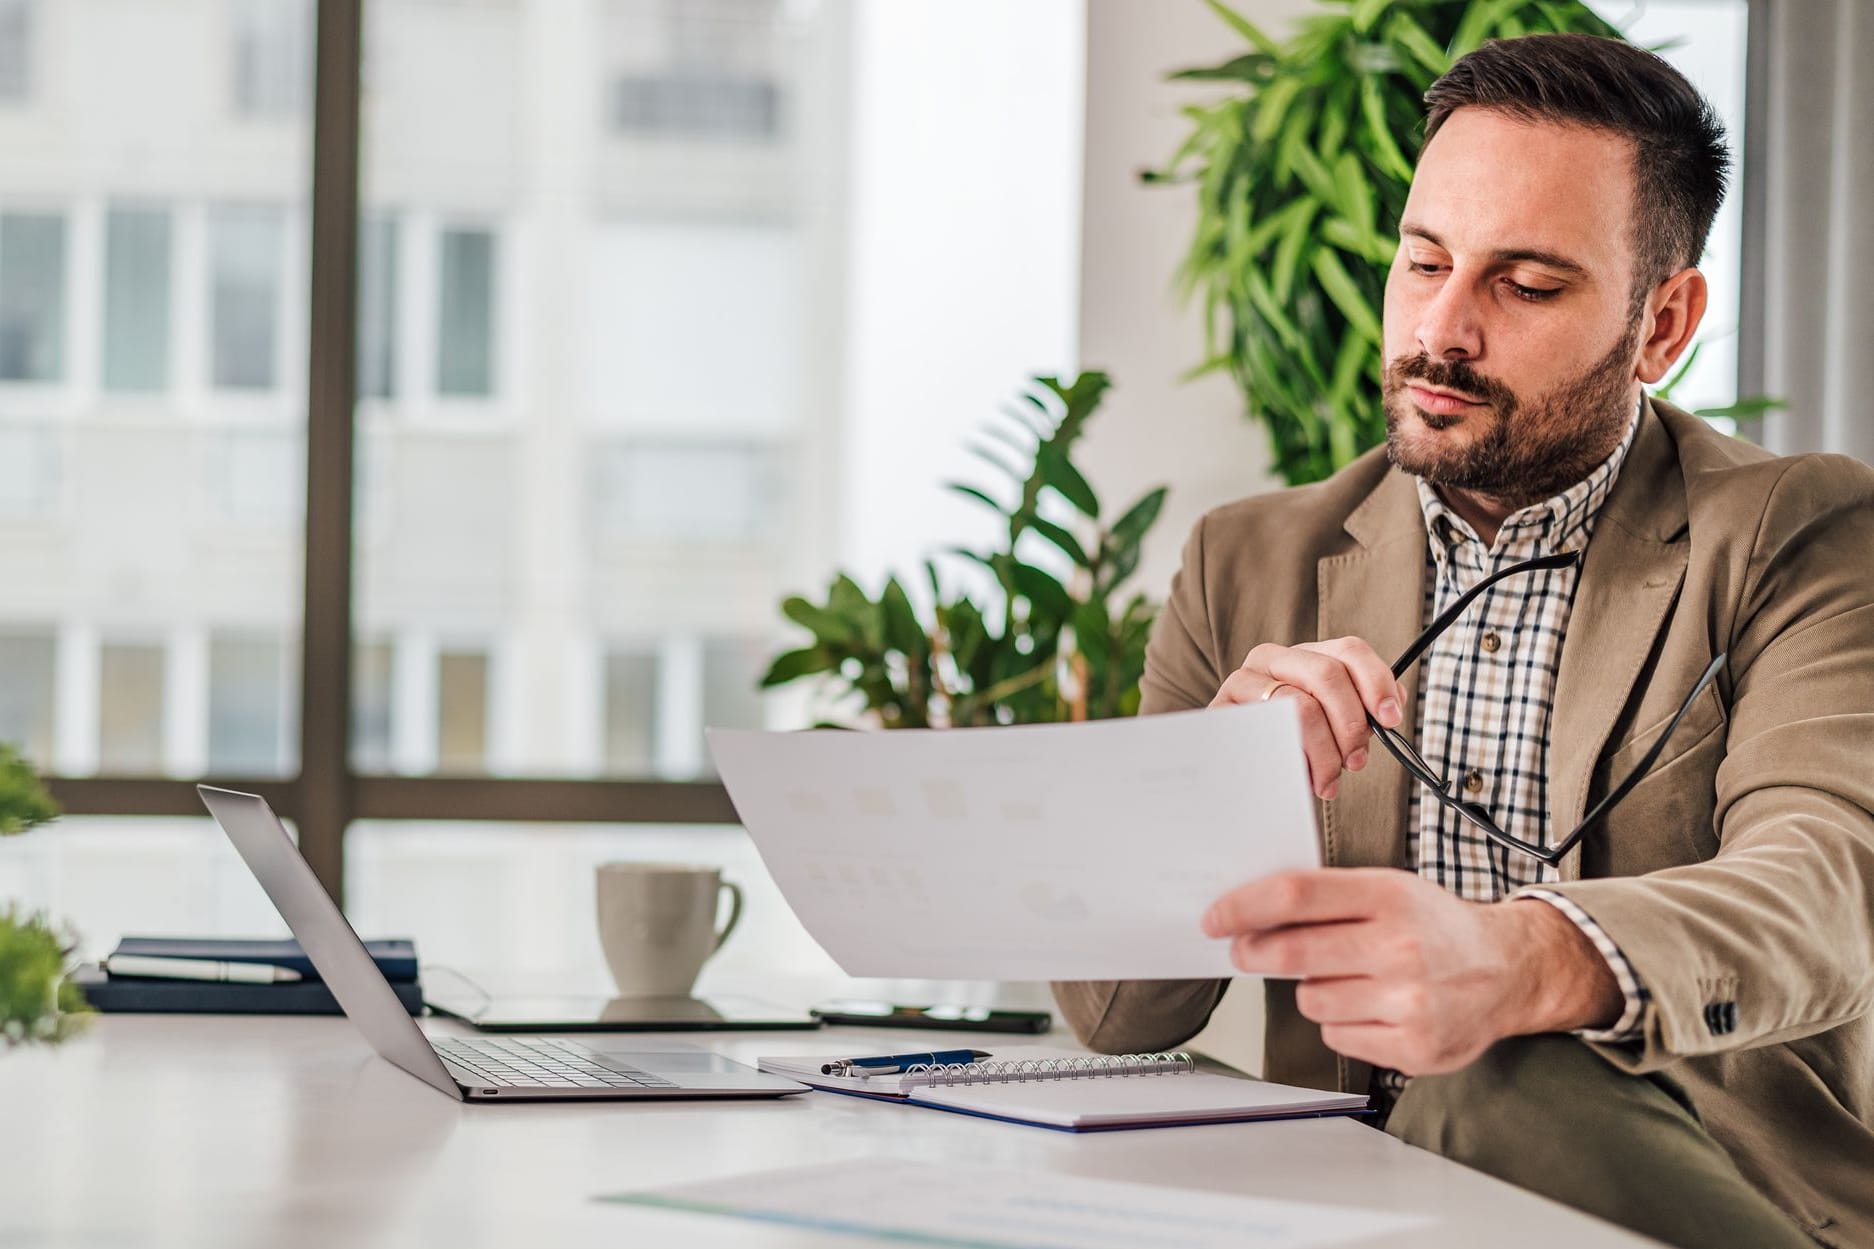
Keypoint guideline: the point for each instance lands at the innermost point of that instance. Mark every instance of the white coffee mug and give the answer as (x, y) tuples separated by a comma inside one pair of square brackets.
[(657, 924)]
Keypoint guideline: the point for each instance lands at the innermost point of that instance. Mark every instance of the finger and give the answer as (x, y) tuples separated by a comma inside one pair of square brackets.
[(1379, 690), (1327, 680), (1317, 743), (1379, 1044), (1306, 950), (1310, 896), (1245, 685), (1344, 1000)]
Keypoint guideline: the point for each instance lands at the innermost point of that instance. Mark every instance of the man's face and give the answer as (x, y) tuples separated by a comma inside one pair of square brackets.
[(1511, 330)]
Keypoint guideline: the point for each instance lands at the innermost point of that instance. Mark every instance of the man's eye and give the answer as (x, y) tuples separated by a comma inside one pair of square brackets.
[(1424, 266), (1534, 294)]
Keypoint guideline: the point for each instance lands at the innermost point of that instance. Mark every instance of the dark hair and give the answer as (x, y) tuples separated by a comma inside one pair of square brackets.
[(1680, 163)]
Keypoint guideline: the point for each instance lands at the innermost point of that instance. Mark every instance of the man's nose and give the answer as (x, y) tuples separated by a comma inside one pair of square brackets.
[(1449, 327)]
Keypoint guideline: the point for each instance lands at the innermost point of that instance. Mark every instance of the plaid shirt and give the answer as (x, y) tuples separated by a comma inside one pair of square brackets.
[(1487, 690)]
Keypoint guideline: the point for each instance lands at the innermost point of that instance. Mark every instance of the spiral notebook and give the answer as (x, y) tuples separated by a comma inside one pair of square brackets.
[(1080, 1093)]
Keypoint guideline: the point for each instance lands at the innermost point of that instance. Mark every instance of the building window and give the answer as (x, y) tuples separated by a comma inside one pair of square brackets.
[(136, 299), (30, 471), (27, 668), (377, 307), (247, 260), (372, 667), (630, 713), (462, 711), (688, 492), (716, 76), (130, 710), (15, 49), (696, 104), (247, 706), (465, 320), (272, 57), (32, 297)]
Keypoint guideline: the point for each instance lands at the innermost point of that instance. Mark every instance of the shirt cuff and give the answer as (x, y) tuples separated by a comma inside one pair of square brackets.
[(1627, 1027)]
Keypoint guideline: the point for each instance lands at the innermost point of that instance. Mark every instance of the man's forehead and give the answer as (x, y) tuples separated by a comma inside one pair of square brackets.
[(1491, 183)]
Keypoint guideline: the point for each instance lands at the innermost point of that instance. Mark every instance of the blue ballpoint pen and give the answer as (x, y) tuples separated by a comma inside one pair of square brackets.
[(893, 1064)]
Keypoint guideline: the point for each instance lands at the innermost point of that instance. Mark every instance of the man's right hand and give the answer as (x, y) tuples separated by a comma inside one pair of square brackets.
[(1336, 683)]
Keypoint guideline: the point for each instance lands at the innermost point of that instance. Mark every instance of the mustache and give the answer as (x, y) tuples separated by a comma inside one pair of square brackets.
[(1456, 375)]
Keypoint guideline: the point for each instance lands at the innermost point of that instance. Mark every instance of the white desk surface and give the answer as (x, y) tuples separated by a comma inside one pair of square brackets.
[(205, 1131)]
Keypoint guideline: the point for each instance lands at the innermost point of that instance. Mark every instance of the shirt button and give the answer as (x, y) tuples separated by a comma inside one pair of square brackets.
[(1473, 782), (1492, 642)]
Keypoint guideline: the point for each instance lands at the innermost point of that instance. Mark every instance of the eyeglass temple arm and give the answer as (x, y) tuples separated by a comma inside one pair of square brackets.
[(1565, 559)]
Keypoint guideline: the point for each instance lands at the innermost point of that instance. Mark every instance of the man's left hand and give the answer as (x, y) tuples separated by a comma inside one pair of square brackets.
[(1403, 974)]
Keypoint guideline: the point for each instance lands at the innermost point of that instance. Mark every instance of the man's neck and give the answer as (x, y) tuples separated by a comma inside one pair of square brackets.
[(1484, 513)]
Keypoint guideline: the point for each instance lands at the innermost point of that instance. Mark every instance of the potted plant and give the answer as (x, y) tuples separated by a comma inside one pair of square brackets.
[(1044, 647), (37, 1003), (1300, 169)]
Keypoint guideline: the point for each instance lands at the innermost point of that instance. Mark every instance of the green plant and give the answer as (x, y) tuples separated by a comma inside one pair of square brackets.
[(1301, 172), (37, 1003), (1045, 649)]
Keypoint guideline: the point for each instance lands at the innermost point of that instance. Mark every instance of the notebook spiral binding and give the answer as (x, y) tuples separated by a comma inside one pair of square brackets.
[(1028, 1069)]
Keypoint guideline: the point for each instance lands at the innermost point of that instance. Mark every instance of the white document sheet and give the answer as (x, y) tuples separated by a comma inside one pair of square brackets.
[(1072, 851), (984, 1208)]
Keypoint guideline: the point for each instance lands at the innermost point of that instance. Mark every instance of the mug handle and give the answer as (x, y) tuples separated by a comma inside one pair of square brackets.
[(735, 913)]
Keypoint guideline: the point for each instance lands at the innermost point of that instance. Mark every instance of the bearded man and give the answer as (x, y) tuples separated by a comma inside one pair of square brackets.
[(1599, 910)]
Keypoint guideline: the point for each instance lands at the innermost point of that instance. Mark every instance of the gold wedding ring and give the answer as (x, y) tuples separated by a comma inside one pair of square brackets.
[(1270, 692)]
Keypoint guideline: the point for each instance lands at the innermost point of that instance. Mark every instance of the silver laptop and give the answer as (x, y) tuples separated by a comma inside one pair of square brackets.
[(503, 1068)]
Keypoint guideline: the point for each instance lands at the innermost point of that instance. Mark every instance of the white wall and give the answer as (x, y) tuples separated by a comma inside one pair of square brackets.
[(965, 208), (1155, 430)]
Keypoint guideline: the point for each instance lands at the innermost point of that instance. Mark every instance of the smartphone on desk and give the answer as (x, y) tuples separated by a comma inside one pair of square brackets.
[(951, 1018)]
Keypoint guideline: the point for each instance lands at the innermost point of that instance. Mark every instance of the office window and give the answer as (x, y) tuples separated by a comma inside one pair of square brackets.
[(371, 694), (630, 712), (15, 49), (465, 319), (32, 297), (28, 664), (462, 711), (246, 260), (130, 710), (30, 468), (248, 723), (272, 57), (377, 306), (136, 299)]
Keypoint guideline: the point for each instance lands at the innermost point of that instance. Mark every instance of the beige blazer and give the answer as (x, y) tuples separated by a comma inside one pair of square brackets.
[(1738, 876)]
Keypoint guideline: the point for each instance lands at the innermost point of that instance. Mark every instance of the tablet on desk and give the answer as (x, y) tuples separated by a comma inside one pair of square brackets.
[(595, 1013)]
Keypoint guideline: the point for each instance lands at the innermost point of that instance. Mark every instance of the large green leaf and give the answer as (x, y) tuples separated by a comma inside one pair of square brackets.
[(796, 664), (1340, 288), (828, 626), (1058, 471), (1130, 528)]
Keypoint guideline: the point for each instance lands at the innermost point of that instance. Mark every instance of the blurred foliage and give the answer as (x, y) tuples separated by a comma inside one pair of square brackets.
[(1301, 171), (1047, 649), (36, 1002)]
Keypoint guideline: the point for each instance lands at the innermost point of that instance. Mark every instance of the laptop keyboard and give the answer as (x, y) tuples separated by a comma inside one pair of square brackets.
[(512, 1062)]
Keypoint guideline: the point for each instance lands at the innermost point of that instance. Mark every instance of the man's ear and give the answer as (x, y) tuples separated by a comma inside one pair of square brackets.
[(1673, 312)]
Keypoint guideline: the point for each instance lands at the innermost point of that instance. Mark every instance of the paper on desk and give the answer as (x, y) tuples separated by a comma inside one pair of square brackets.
[(987, 1208), (1068, 851)]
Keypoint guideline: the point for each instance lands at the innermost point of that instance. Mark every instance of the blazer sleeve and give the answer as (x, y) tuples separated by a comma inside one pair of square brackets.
[(1181, 673), (1772, 938)]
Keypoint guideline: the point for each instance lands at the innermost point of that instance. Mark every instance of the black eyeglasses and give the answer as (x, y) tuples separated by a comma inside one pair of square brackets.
[(1440, 787)]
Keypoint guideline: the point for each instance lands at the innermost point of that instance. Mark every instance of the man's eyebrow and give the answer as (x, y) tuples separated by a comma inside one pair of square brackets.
[(1509, 255)]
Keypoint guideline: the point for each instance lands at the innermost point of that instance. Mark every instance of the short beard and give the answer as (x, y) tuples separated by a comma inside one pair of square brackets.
[(1531, 452)]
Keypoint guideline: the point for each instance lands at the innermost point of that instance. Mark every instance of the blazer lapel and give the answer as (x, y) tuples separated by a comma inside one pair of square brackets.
[(1630, 576), (1375, 591)]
